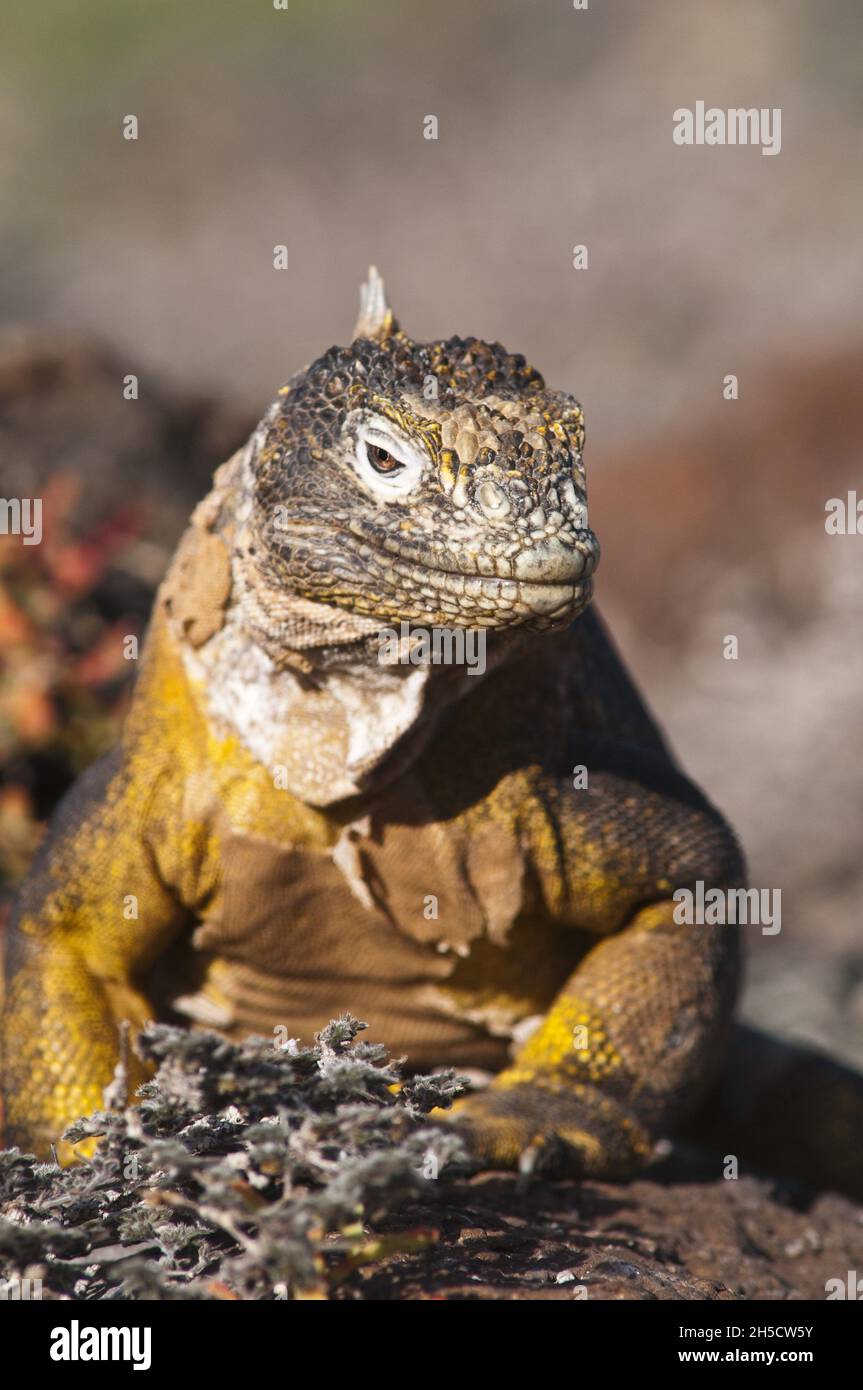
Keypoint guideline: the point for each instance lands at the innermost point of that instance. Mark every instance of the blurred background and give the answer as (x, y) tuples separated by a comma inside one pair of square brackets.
[(304, 127)]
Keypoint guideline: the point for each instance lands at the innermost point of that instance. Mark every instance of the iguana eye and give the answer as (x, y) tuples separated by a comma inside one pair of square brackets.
[(382, 460), (388, 464)]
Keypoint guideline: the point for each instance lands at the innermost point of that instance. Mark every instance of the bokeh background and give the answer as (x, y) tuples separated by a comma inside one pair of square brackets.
[(305, 127)]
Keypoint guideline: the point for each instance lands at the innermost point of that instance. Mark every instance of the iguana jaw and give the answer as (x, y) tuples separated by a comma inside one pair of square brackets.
[(379, 575), (441, 598)]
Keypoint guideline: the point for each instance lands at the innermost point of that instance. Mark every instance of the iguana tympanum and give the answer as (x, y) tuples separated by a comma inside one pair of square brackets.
[(480, 866)]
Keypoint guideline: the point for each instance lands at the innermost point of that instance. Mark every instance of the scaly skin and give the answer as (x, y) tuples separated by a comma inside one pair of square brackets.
[(290, 830)]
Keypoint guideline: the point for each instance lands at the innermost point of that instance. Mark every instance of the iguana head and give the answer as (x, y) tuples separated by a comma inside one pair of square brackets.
[(440, 483)]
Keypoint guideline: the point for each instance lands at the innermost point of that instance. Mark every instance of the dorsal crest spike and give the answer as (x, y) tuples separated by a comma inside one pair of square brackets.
[(376, 318)]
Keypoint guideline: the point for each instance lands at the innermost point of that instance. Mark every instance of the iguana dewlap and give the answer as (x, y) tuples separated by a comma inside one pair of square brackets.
[(293, 828)]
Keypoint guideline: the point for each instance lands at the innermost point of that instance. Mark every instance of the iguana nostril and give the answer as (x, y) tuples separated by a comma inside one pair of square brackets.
[(573, 504), (493, 500)]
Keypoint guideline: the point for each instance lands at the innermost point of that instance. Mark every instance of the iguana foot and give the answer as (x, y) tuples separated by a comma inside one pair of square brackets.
[(573, 1131)]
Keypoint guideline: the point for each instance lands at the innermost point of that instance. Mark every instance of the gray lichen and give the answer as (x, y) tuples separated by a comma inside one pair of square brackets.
[(242, 1171)]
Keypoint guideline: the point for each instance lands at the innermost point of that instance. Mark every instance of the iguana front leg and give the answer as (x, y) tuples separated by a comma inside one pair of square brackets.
[(630, 1043), (637, 1033), (92, 914)]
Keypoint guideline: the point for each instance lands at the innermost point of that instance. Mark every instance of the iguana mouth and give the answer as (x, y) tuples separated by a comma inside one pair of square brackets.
[(548, 581), (540, 596), (548, 561)]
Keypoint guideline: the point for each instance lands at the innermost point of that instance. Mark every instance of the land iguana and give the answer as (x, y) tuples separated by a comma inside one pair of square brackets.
[(481, 867)]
